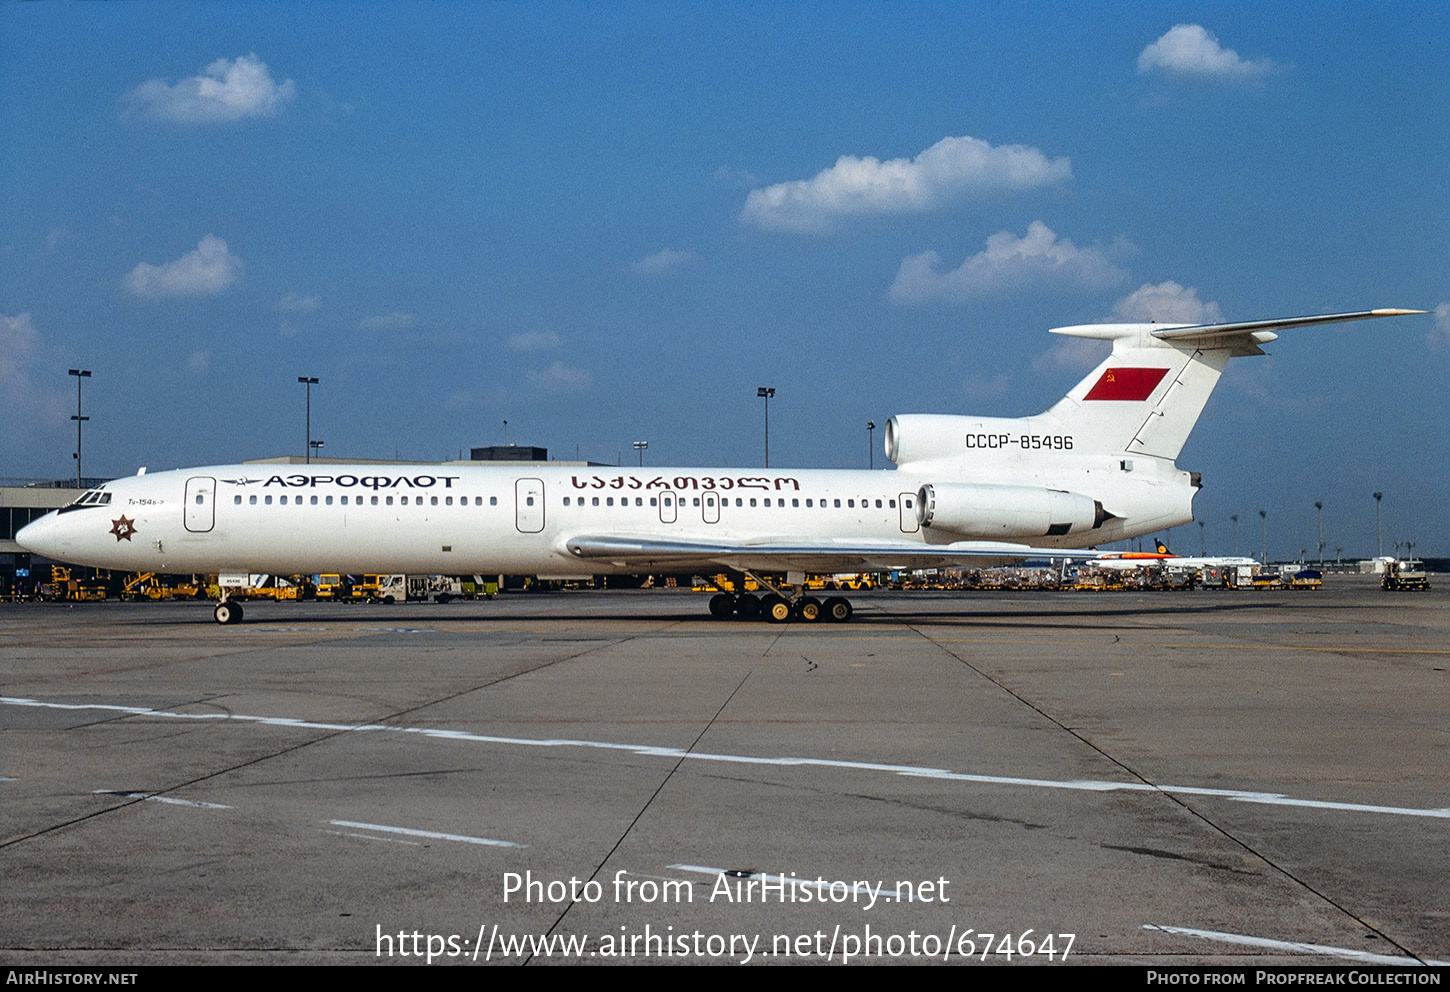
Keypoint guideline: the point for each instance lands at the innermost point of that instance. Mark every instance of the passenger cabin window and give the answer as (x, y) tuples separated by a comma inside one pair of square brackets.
[(252, 500), (235, 499)]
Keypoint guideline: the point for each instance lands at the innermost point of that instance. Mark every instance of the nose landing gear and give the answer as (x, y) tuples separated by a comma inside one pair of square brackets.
[(228, 612)]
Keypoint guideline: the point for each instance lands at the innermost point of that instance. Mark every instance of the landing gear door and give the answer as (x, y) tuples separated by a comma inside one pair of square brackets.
[(200, 513), (529, 505), (906, 503)]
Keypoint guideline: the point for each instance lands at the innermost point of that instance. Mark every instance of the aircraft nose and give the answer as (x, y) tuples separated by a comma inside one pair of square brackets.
[(43, 536)]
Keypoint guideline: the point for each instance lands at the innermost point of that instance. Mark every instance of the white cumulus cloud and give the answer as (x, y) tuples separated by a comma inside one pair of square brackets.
[(1166, 303), (394, 321), (25, 402), (225, 91), (1441, 334), (559, 377), (950, 169), (1039, 258), (18, 341), (1190, 50), (208, 270), (294, 303), (662, 261), (533, 341)]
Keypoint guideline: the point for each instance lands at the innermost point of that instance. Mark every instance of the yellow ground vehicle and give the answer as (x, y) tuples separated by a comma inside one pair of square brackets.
[(1306, 578), (242, 586), (723, 583), (332, 587), (64, 585), (150, 585)]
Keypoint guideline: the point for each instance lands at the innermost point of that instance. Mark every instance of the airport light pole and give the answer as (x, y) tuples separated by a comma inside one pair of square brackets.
[(1264, 524), (1319, 508), (1235, 518), (312, 447), (765, 393), (308, 381), (1202, 541), (639, 446), (1379, 527), (79, 374), (870, 444)]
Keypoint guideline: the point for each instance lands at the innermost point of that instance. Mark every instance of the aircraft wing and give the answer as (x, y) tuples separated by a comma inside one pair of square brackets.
[(824, 556)]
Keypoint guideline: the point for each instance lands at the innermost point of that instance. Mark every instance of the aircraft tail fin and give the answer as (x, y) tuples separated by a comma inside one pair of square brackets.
[(1147, 395)]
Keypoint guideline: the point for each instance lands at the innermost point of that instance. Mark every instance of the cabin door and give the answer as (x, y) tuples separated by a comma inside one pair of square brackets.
[(529, 505), (200, 504)]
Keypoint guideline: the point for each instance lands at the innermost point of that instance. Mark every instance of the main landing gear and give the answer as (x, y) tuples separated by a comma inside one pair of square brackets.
[(777, 608)]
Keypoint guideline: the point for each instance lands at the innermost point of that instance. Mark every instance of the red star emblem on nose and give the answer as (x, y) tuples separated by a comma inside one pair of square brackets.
[(123, 528)]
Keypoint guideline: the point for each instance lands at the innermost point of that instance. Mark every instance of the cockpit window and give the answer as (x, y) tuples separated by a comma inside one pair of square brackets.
[(92, 497)]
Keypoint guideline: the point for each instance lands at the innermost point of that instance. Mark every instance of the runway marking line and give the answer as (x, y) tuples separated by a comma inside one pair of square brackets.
[(649, 750), (1294, 947), (169, 800), (430, 834), (819, 885)]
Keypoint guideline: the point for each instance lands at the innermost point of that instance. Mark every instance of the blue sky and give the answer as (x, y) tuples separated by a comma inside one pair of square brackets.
[(612, 222)]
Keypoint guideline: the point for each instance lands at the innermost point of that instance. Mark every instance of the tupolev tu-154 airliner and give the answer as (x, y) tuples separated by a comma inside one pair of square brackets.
[(1096, 467)]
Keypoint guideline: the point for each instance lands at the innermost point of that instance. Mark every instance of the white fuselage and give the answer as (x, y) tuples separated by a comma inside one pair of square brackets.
[(511, 519)]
